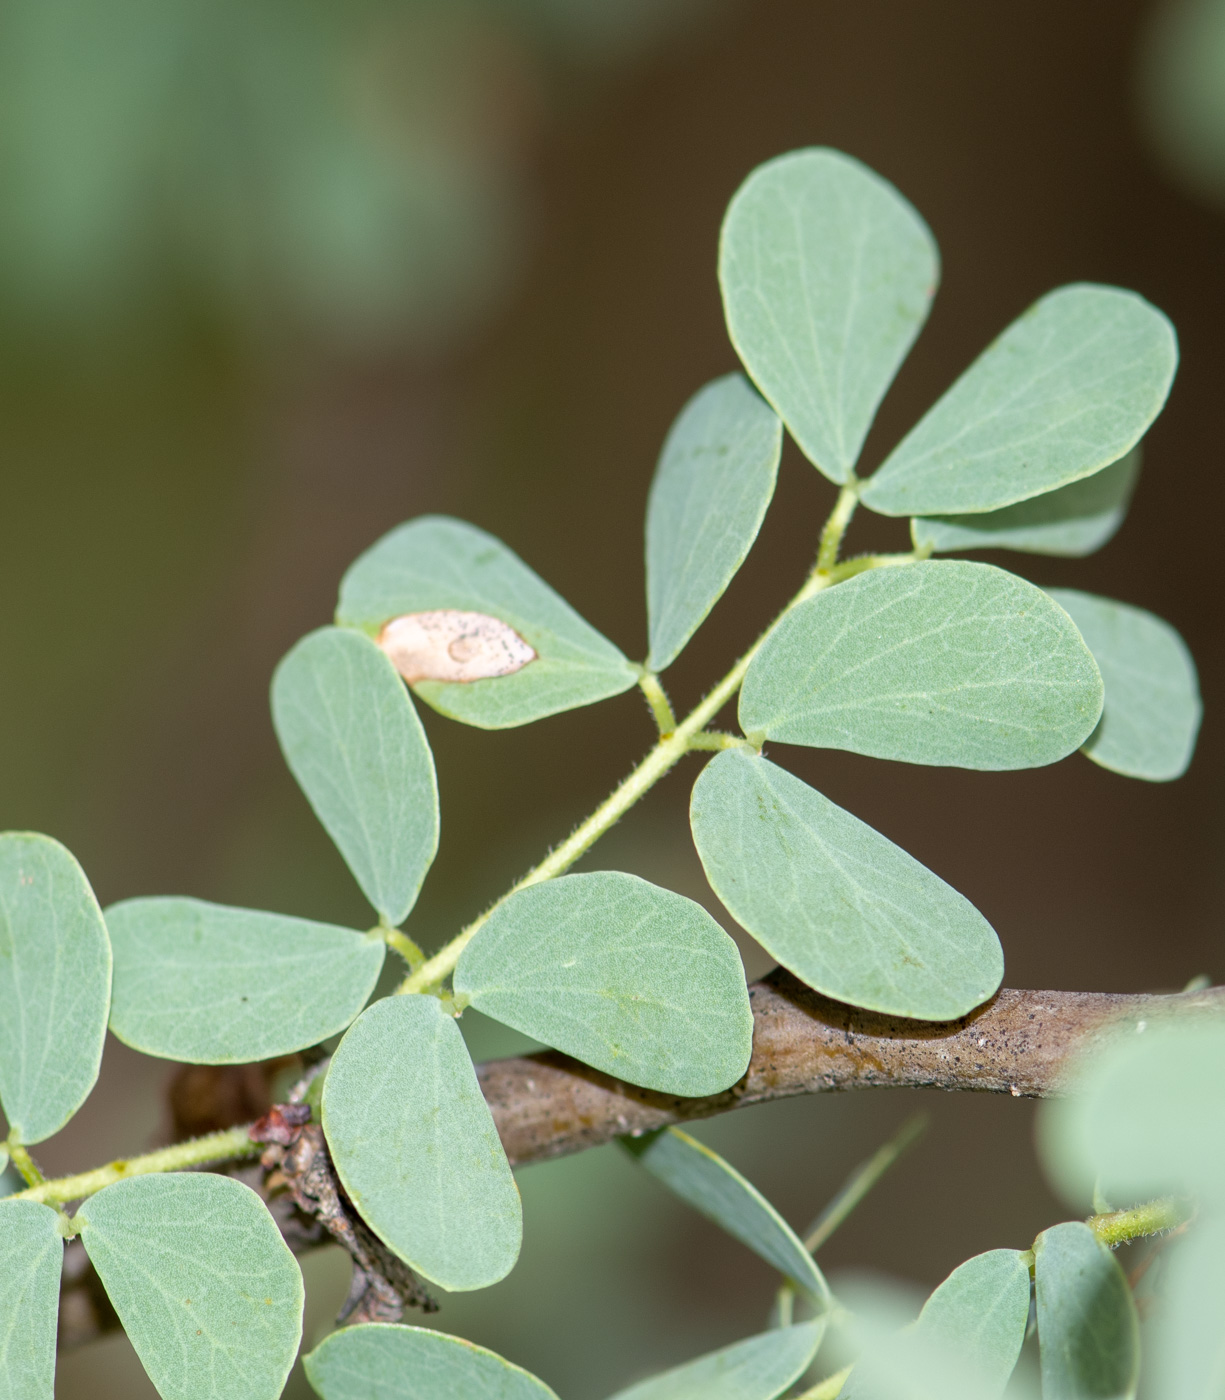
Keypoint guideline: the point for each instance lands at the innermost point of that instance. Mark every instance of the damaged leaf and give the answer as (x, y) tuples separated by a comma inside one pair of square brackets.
[(438, 565), (450, 645)]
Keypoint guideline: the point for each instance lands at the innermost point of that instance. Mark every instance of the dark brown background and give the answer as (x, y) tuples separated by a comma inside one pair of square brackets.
[(171, 524)]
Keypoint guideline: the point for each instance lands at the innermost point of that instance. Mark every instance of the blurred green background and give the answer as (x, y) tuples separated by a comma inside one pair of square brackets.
[(276, 276)]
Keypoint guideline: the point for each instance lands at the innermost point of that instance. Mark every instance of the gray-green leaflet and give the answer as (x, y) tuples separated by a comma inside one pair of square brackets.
[(833, 900), (352, 739), (760, 1368), (437, 563), (709, 1184), (633, 979), (1151, 712), (31, 1257), (206, 1288), (378, 1361), (944, 662), (214, 985), (1072, 521), (1069, 388), (713, 483), (827, 275), (1087, 1326), (964, 1344), (55, 973), (415, 1146)]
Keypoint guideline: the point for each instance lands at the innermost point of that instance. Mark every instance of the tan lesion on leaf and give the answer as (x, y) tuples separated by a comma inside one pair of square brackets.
[(450, 645)]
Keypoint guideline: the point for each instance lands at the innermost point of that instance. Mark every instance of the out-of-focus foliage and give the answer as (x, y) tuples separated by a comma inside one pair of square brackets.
[(1183, 91), (351, 167)]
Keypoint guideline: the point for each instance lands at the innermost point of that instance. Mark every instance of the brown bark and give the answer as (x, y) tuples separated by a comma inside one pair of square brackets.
[(1020, 1042), (548, 1105)]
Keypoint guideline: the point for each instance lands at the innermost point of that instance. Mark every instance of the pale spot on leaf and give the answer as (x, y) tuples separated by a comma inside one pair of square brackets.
[(455, 646)]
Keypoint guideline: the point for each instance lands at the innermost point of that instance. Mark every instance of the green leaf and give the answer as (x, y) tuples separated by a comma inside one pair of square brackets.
[(1147, 1116), (633, 979), (1072, 521), (435, 562), (1088, 1334), (212, 985), (31, 1256), (1069, 388), (827, 275), (378, 1361), (945, 662), (206, 1288), (714, 481), (842, 907), (55, 985), (1151, 714), (716, 1189), (759, 1368), (1188, 1350), (949, 1353), (980, 1313), (352, 739), (415, 1146)]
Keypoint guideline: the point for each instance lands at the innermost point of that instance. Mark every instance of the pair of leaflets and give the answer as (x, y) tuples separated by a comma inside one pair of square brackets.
[(827, 275), (630, 978), (207, 1290), (216, 985)]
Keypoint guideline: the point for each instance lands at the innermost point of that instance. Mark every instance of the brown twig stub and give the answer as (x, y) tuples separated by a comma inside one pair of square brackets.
[(1021, 1042), (298, 1162)]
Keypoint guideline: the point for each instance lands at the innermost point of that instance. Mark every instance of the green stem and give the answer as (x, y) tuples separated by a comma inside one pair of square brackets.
[(405, 946), (217, 1147), (670, 749), (861, 563), (661, 706), (715, 741), (862, 1180), (25, 1164), (1117, 1227), (836, 526)]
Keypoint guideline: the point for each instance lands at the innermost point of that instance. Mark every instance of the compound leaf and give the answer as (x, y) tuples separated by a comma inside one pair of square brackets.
[(1088, 1333), (435, 563), (206, 1288), (842, 907), (944, 662), (759, 1368), (55, 985), (352, 739), (1147, 1117), (1151, 713), (31, 1257), (980, 1313), (1072, 521), (716, 1189), (378, 1361), (1069, 388), (1188, 1351), (415, 1146), (213, 985), (633, 979), (827, 275), (713, 483)]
